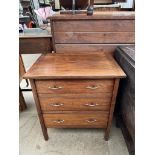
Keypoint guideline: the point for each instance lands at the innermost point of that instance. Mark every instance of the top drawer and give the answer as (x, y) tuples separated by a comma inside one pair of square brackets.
[(74, 86)]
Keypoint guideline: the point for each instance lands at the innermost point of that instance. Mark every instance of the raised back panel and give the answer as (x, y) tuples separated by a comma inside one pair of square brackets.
[(102, 32)]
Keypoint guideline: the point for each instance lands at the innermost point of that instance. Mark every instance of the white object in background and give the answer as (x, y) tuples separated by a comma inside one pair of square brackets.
[(36, 6), (57, 4), (22, 27), (127, 4), (44, 12), (20, 9)]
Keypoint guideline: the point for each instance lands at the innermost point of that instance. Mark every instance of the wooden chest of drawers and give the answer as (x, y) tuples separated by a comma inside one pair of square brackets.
[(75, 91)]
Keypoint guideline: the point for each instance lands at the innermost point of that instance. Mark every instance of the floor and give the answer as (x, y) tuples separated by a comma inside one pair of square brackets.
[(63, 141)]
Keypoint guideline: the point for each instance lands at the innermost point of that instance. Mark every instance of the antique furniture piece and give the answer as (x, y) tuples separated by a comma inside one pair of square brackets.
[(100, 33), (22, 104), (125, 106), (119, 23), (74, 90), (35, 40)]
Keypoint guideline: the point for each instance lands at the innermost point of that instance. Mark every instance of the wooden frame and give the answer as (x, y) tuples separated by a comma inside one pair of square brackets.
[(44, 129), (113, 100), (76, 86), (102, 31)]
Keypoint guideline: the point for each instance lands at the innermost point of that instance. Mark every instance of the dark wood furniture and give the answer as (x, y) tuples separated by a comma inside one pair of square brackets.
[(107, 1), (125, 106), (32, 41), (35, 40), (102, 32), (22, 104), (75, 91), (79, 4)]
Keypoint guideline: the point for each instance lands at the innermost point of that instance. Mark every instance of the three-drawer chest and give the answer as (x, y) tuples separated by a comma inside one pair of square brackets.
[(75, 91)]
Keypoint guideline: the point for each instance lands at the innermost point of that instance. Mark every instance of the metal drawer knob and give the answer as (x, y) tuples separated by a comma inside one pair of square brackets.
[(56, 104), (91, 104), (55, 87), (59, 121), (92, 87), (91, 120)]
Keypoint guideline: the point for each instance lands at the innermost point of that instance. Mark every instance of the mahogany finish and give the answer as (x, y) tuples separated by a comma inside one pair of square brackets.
[(96, 16), (86, 48), (35, 40), (97, 119), (86, 66), (77, 86), (112, 106), (74, 86), (94, 37), (35, 95), (51, 103), (22, 71), (33, 45), (22, 104), (71, 91), (97, 26)]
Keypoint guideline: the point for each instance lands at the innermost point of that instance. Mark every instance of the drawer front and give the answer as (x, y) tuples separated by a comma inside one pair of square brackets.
[(87, 120), (58, 103), (74, 86)]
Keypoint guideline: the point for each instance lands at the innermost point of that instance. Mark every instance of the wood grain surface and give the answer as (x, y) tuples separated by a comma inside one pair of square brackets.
[(86, 48), (42, 123), (84, 119), (88, 66), (35, 45), (74, 86), (94, 37), (102, 32), (95, 26), (97, 15), (112, 106), (49, 103)]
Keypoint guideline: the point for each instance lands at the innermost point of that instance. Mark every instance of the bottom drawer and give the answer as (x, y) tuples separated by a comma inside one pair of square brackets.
[(93, 119)]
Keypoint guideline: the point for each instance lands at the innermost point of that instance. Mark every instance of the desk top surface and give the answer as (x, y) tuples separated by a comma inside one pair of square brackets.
[(75, 66), (36, 33)]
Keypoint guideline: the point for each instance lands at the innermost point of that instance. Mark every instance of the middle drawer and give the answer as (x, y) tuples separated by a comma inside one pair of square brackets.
[(49, 102)]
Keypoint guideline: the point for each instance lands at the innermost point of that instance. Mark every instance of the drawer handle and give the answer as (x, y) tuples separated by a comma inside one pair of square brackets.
[(91, 104), (92, 87), (56, 104), (55, 87), (91, 120), (59, 121)]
